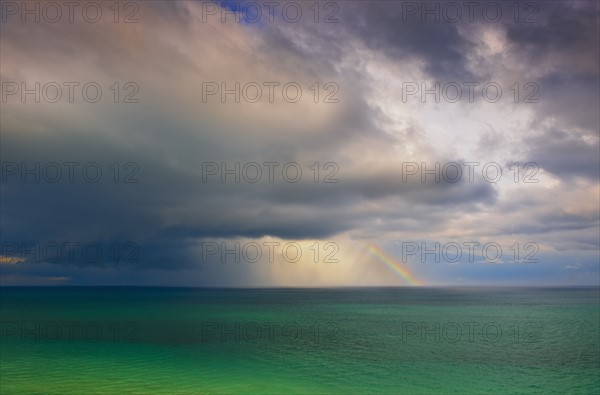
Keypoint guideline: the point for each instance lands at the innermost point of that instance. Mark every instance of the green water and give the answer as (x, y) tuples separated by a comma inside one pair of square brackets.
[(345, 341)]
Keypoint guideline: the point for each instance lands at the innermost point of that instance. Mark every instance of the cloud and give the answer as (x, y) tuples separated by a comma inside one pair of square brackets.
[(565, 154), (368, 134)]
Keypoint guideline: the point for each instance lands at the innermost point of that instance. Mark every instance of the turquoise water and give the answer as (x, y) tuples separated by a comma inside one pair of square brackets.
[(343, 341)]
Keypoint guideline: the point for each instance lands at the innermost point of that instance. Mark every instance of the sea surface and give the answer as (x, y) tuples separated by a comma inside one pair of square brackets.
[(105, 340)]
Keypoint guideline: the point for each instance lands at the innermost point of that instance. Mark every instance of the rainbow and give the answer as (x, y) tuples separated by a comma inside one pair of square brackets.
[(392, 264)]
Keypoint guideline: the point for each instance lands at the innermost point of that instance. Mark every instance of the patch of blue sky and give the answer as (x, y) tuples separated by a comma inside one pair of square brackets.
[(247, 12)]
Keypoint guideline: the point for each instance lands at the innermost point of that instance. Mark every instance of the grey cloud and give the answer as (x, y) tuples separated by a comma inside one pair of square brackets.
[(566, 155)]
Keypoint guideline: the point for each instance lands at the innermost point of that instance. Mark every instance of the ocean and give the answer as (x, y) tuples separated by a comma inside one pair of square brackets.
[(405, 340)]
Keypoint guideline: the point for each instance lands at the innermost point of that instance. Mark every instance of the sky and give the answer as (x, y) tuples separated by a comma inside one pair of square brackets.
[(348, 143)]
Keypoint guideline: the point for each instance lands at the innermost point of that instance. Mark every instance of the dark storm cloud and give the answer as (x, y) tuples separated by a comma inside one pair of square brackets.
[(438, 45), (170, 206), (554, 222), (563, 49), (572, 98), (568, 28), (566, 155)]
